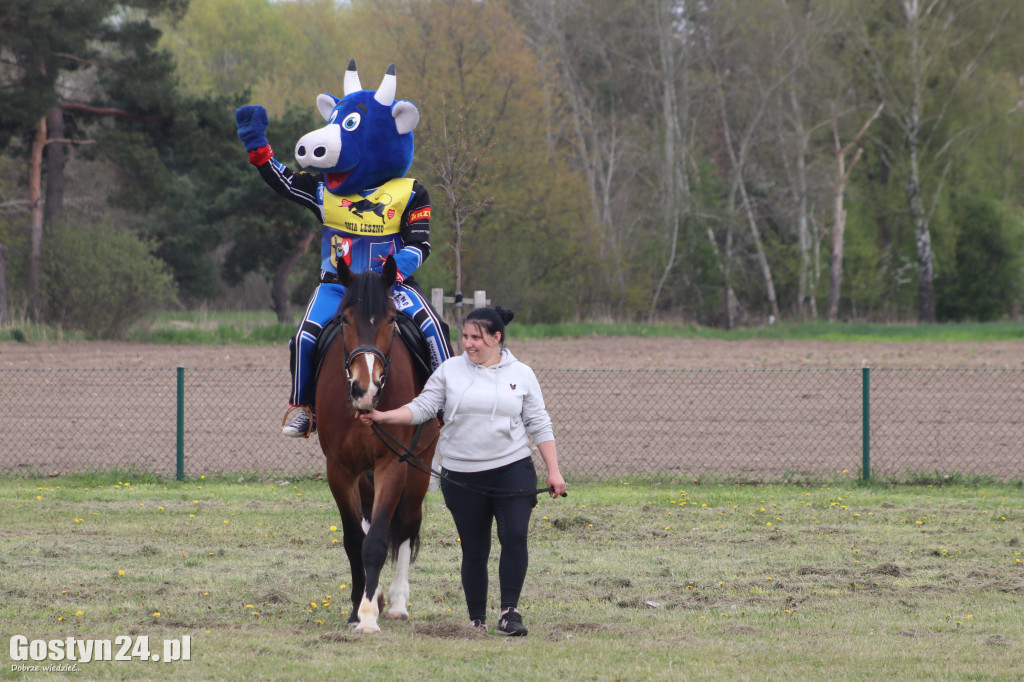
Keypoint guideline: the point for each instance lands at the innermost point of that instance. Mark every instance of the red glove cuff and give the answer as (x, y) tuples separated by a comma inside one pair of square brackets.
[(258, 157)]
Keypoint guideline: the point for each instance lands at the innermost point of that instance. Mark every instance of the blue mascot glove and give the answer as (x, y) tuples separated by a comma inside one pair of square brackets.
[(252, 124)]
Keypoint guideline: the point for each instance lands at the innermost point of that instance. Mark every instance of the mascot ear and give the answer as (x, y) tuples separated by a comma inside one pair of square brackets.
[(406, 115), (325, 104)]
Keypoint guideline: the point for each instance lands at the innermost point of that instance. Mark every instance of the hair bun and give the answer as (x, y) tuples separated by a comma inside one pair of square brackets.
[(505, 314)]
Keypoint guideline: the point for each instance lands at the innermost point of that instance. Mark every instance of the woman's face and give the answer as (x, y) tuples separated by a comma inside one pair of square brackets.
[(482, 348)]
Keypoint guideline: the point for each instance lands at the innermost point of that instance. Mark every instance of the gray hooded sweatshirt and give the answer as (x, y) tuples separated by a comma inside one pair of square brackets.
[(488, 412)]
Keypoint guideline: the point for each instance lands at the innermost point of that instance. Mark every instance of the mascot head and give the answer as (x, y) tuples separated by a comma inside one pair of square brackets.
[(367, 139)]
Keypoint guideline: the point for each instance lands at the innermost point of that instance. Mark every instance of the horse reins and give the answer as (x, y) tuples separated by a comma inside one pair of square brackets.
[(406, 455)]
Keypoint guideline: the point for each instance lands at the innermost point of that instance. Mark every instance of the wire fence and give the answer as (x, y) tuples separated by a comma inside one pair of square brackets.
[(743, 425)]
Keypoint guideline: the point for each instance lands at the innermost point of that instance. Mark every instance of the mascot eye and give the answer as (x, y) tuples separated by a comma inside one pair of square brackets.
[(351, 122)]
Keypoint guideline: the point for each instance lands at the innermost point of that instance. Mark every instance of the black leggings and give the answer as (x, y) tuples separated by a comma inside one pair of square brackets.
[(474, 514)]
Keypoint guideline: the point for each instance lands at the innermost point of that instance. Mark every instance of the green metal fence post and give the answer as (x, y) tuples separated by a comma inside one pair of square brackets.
[(180, 474), (866, 423)]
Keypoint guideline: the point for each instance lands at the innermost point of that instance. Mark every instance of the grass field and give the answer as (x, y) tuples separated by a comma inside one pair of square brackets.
[(626, 582)]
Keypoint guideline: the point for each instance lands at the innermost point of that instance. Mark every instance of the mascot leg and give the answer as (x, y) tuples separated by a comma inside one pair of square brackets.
[(410, 301), (301, 422)]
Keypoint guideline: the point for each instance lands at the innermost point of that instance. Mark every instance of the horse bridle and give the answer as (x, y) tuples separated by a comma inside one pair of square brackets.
[(385, 360)]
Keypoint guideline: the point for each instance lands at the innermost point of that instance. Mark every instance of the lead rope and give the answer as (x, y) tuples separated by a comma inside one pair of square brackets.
[(405, 455)]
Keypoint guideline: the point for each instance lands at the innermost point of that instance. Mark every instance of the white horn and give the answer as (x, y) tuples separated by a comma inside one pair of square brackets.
[(386, 92), (352, 83)]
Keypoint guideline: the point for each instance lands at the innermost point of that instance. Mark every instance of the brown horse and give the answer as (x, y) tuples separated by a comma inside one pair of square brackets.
[(379, 497)]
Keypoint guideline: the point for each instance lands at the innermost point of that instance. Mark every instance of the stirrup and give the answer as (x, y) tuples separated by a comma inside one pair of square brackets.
[(306, 414)]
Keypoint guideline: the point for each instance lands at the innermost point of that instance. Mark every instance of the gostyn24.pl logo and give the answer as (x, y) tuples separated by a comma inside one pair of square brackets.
[(29, 654)]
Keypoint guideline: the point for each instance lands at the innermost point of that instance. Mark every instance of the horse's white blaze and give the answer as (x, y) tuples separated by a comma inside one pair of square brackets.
[(367, 400), (398, 593)]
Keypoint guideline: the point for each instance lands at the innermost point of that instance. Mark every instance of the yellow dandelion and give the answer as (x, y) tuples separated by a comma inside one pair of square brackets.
[(120, 572), (78, 613), (156, 614)]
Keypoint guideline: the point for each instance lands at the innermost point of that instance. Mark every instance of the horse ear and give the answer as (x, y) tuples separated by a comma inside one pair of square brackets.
[(345, 275), (390, 272)]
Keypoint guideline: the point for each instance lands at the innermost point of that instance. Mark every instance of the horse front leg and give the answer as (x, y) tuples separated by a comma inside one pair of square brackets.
[(406, 528), (398, 593), (388, 484), (348, 497)]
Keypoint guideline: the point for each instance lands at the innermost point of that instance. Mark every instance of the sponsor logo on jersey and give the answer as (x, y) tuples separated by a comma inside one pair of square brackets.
[(402, 299), (420, 214)]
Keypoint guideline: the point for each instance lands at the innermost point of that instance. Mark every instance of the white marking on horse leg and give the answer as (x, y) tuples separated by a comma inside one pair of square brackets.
[(368, 612), (366, 525), (398, 593)]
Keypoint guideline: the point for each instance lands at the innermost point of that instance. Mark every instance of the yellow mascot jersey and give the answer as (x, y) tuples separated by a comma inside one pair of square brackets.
[(363, 231)]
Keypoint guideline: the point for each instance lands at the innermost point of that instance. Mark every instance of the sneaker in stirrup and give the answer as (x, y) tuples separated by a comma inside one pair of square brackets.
[(301, 425), (511, 623)]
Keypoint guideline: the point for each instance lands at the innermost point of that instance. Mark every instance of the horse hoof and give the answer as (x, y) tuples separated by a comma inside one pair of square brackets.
[(367, 628), (397, 615)]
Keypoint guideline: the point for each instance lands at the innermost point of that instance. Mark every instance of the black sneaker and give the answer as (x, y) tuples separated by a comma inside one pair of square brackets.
[(511, 624)]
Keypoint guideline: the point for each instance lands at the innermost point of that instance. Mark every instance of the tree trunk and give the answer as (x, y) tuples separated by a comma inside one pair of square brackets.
[(673, 180), (55, 158), (805, 291), (839, 208), (912, 128), (838, 231), (36, 207), (279, 287), (923, 239), (5, 308)]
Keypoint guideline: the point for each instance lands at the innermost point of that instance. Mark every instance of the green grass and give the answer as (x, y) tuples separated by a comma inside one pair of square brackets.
[(719, 582), (261, 327), (811, 331)]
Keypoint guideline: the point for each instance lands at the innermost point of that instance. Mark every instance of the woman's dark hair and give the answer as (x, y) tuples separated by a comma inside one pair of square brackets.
[(491, 320)]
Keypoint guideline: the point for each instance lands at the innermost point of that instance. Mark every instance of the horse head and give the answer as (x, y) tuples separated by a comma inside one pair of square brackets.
[(368, 326)]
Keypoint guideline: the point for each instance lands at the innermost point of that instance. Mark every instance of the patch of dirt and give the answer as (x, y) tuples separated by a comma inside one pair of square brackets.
[(596, 352), (889, 569), (449, 631)]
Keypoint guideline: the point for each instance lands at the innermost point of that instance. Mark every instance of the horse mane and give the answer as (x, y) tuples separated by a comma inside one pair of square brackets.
[(368, 292)]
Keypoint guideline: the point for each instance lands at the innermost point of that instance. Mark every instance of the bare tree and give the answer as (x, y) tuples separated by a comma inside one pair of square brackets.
[(917, 92), (672, 54), (5, 307), (457, 149), (843, 171)]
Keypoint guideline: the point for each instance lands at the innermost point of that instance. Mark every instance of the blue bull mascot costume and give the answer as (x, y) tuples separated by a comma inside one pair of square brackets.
[(368, 210)]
